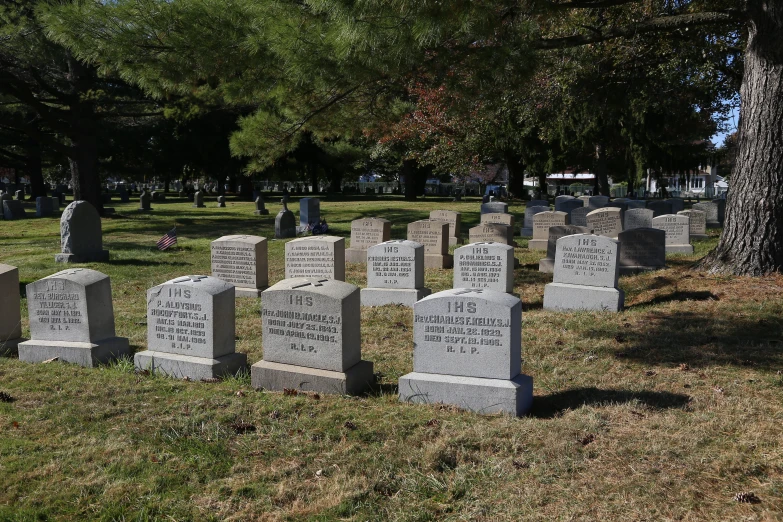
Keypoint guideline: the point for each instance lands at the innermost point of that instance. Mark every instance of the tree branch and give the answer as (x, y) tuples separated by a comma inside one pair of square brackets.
[(660, 24)]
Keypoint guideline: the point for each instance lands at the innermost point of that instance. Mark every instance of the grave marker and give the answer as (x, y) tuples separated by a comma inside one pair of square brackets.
[(81, 235), (492, 233), (312, 338), (260, 207), (698, 223), (198, 199), (144, 201), (642, 250), (711, 210), (395, 274), (190, 329), (242, 261), (659, 208), (72, 318), (44, 207), (677, 230), (366, 233), (606, 221), (10, 316), (285, 223), (454, 219), (585, 275), (485, 265), (13, 209), (547, 265), (320, 257), (578, 216), (559, 200), (530, 212), (467, 352), (638, 218), (541, 223), (494, 206), (434, 236), (309, 211)]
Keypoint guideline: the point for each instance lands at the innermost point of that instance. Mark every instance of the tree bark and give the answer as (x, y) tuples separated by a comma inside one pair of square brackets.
[(516, 175), (601, 176), (34, 170), (409, 173), (752, 239)]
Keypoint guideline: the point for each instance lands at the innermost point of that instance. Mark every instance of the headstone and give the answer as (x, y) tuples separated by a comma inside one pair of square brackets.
[(499, 217), (659, 207), (13, 209), (596, 202), (242, 261), (124, 196), (492, 233), (190, 329), (698, 223), (578, 216), (537, 203), (10, 315), (677, 229), (318, 257), (106, 197), (156, 196), (606, 221), (144, 201), (570, 205), (530, 212), (72, 318), (221, 201), (454, 219), (81, 235), (585, 275), (312, 338), (467, 353), (494, 206), (678, 204), (560, 199), (642, 250), (541, 223), (395, 274), (198, 199), (622, 205), (434, 235), (19, 195), (638, 218), (485, 265), (55, 205), (260, 207), (309, 211), (285, 223), (547, 265), (585, 201), (636, 203), (366, 233), (43, 207), (711, 210), (721, 209)]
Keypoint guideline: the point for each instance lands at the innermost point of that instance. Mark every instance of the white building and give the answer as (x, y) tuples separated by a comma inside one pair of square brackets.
[(703, 181)]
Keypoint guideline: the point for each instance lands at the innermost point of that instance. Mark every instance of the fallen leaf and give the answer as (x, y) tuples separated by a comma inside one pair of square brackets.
[(240, 393), (15, 425), (274, 415), (349, 425), (620, 338), (53, 359), (290, 391), (242, 427), (650, 373), (747, 497), (211, 380), (520, 465), (684, 367), (4, 397), (433, 422), (559, 342), (587, 439)]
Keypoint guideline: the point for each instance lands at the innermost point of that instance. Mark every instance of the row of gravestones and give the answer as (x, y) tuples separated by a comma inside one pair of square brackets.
[(467, 342), (13, 208)]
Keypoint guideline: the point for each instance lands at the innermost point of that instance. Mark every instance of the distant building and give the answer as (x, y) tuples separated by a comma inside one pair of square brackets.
[(703, 181)]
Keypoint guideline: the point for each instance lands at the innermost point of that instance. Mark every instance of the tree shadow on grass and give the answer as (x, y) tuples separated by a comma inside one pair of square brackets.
[(145, 262), (554, 405), (702, 295)]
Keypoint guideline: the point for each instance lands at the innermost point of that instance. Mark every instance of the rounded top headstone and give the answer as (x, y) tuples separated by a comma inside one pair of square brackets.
[(80, 228)]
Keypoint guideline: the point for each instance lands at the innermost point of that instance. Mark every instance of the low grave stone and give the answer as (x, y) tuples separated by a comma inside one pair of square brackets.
[(596, 202), (711, 211), (198, 199), (585, 275), (659, 208), (541, 223), (677, 228), (144, 201), (530, 212), (366, 233), (13, 209), (638, 218), (493, 233), (678, 204), (309, 211), (285, 223), (636, 203), (72, 319), (698, 223), (44, 207), (81, 235), (260, 207), (242, 261), (642, 250), (560, 199), (454, 219), (434, 236), (578, 216), (395, 274), (487, 265), (537, 203), (10, 315), (606, 221), (312, 338), (494, 206), (221, 201), (467, 353), (320, 257), (191, 330)]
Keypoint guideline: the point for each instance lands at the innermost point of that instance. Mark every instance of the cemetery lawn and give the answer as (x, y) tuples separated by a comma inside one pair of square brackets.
[(662, 412)]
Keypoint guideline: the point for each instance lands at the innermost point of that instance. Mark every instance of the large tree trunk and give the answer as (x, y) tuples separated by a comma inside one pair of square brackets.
[(34, 171), (409, 173), (602, 178), (516, 175), (752, 239), (84, 171)]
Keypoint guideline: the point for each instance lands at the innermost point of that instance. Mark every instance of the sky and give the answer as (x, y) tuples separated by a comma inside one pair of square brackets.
[(732, 124)]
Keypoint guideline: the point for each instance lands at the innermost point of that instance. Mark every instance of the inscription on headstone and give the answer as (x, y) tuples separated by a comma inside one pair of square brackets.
[(365, 233), (641, 250), (454, 219), (677, 228), (242, 261), (395, 274), (315, 257), (638, 218), (698, 223), (606, 221), (434, 236), (541, 224), (485, 265)]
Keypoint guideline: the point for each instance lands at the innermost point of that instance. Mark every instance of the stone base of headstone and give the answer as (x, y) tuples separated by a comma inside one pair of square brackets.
[(563, 296), (513, 397), (679, 249), (633, 270), (248, 292), (356, 255), (264, 212), (199, 206), (385, 296), (438, 261), (546, 266), (537, 244), (96, 257), (88, 355), (143, 209), (274, 376), (699, 236), (11, 346), (526, 232), (186, 366)]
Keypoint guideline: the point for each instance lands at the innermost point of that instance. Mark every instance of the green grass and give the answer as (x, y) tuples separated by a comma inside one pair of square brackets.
[(662, 412)]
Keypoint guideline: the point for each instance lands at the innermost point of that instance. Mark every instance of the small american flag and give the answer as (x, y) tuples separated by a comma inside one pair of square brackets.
[(168, 239)]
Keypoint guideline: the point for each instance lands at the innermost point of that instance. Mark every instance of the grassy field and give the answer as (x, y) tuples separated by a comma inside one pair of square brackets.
[(662, 412)]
